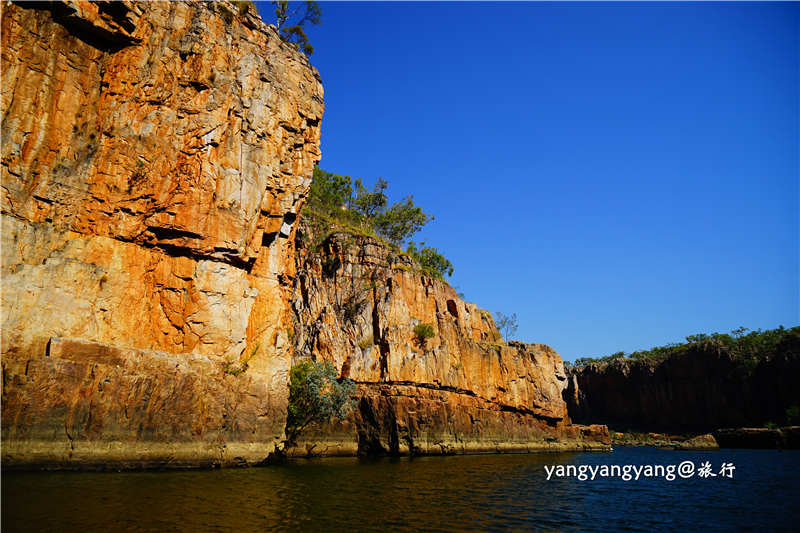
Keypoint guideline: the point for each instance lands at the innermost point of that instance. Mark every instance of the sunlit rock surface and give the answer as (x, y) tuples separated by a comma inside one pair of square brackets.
[(154, 158), (356, 304)]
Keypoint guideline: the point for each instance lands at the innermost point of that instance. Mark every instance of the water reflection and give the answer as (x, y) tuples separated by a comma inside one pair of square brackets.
[(489, 492)]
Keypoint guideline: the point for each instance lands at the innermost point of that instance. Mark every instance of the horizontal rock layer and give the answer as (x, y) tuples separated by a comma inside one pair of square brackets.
[(88, 404), (154, 158)]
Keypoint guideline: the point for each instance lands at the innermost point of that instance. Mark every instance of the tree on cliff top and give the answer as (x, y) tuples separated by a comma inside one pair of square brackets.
[(506, 324), (337, 198), (290, 17)]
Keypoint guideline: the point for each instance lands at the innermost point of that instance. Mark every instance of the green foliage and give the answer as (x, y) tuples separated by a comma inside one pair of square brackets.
[(369, 204), (366, 342), (423, 332), (329, 192), (336, 201), (793, 415), (507, 324), (401, 221), (431, 261), (770, 425), (245, 6), (316, 396), (747, 349), (290, 17)]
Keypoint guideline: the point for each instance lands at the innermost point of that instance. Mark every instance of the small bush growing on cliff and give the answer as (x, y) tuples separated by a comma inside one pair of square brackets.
[(431, 261), (316, 396), (793, 415), (366, 342), (290, 17), (245, 6), (507, 324), (423, 332)]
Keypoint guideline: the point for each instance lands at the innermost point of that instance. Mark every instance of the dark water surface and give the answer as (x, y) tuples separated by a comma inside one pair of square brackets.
[(463, 493)]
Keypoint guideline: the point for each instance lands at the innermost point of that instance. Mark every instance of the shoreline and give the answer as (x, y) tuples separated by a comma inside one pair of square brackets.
[(108, 457)]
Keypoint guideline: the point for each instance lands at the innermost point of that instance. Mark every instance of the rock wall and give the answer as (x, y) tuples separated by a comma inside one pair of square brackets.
[(699, 391), (154, 160), (356, 303), (154, 157)]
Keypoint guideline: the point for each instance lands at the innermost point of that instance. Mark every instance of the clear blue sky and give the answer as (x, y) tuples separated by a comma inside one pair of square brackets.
[(619, 175)]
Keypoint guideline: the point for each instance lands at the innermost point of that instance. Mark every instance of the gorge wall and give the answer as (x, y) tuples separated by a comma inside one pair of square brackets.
[(356, 303), (155, 157), (700, 391)]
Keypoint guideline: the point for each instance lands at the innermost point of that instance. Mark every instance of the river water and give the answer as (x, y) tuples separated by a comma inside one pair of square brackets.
[(459, 493)]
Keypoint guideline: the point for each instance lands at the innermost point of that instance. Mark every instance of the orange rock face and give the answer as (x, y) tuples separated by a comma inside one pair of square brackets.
[(464, 390), (154, 158)]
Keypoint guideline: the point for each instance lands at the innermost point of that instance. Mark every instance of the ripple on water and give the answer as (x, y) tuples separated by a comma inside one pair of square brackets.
[(463, 493)]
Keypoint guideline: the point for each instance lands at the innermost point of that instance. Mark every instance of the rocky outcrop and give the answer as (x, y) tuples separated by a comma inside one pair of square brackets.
[(664, 440), (769, 438), (704, 389), (154, 158), (356, 304)]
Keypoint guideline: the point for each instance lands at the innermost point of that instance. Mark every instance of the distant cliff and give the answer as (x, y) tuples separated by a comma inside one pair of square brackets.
[(700, 389), (356, 303)]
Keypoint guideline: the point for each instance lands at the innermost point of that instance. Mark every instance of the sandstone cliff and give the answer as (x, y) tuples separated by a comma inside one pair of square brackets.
[(154, 156), (356, 303), (704, 389)]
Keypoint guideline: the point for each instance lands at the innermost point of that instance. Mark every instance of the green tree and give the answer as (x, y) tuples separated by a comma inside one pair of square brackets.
[(338, 200), (401, 221), (430, 260), (316, 395), (423, 332), (330, 192), (290, 17), (370, 204), (507, 324)]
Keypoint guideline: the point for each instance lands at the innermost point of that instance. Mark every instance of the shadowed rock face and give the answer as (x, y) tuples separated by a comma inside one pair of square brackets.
[(700, 391), (154, 157), (356, 304)]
